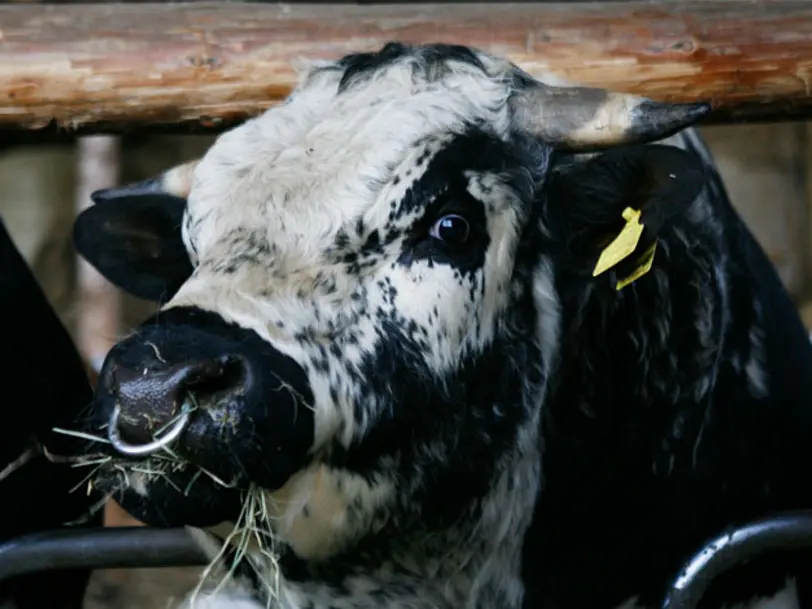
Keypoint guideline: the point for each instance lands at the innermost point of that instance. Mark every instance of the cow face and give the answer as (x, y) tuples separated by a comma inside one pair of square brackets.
[(359, 297)]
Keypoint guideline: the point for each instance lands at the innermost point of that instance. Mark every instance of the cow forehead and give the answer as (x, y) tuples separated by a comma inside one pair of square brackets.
[(329, 154)]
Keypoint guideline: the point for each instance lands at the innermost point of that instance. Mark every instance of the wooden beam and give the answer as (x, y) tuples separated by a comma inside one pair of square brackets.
[(199, 66)]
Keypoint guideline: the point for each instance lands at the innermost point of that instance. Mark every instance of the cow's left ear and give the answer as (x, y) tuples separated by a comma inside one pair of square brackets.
[(132, 234), (606, 211)]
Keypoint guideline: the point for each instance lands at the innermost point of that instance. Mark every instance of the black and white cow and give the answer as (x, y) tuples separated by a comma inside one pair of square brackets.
[(379, 320), (45, 385)]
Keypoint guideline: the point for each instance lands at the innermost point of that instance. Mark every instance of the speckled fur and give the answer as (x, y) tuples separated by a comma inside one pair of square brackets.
[(298, 223)]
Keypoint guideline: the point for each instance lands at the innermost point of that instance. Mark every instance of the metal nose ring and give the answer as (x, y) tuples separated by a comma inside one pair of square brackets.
[(140, 450)]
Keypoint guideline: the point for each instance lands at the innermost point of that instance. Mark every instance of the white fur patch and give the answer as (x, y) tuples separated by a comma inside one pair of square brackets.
[(549, 312), (221, 600), (319, 509)]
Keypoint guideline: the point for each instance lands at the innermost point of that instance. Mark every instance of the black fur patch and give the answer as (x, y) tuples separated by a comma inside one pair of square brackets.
[(443, 189), (654, 440), (134, 240), (473, 414), (431, 60), (586, 201)]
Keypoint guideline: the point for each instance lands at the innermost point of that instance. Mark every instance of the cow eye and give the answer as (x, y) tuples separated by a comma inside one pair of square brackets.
[(451, 229)]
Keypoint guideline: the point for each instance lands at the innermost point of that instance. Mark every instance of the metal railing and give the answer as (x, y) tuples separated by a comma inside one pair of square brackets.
[(139, 547)]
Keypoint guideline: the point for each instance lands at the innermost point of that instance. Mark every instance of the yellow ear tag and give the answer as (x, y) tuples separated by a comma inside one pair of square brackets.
[(623, 245), (645, 266)]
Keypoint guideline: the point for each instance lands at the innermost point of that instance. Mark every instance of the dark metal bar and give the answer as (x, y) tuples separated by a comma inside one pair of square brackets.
[(784, 532), (100, 548)]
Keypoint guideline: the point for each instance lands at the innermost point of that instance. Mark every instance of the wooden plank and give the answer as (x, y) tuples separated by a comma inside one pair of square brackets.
[(199, 66)]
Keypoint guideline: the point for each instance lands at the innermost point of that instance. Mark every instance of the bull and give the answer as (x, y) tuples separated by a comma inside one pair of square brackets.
[(441, 334)]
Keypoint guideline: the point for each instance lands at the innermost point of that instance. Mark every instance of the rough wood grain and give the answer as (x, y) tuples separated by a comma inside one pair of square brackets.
[(199, 66)]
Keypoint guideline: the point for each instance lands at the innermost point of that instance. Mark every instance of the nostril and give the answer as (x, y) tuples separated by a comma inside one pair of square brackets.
[(224, 375), (150, 399)]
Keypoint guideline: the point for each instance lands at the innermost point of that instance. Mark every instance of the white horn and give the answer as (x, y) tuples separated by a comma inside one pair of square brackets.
[(584, 118), (176, 182)]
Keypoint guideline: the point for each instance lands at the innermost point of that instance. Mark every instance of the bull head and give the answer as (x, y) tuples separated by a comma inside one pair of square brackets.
[(361, 292)]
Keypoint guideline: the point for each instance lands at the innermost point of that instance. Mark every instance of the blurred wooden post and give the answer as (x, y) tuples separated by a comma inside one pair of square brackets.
[(97, 325)]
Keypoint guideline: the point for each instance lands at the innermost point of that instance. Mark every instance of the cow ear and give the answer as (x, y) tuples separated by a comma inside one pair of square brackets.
[(132, 235), (607, 210)]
